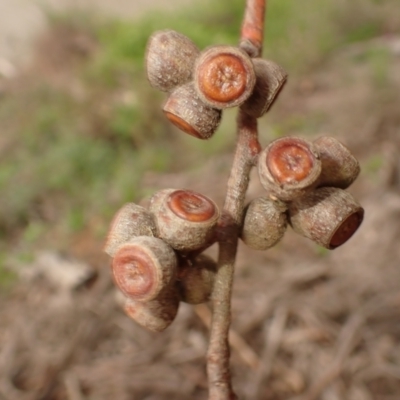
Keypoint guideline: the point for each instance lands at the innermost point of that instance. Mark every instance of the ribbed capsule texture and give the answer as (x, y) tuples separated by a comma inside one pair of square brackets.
[(155, 315), (270, 79), (170, 59), (328, 216), (224, 76), (129, 222), (189, 113), (196, 278), (185, 219), (289, 167), (339, 167), (144, 268), (264, 223)]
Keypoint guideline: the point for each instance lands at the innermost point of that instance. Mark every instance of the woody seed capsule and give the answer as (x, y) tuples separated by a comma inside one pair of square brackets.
[(155, 315), (129, 222), (328, 216), (144, 267), (339, 167), (185, 219), (264, 223), (289, 167), (189, 113), (224, 76), (270, 79), (196, 279), (170, 58)]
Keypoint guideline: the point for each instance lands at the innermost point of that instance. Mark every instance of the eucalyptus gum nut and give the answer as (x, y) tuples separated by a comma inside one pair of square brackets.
[(288, 168), (144, 267), (270, 79), (189, 113), (155, 315), (264, 223), (224, 76), (328, 216), (170, 59), (157, 199), (186, 220), (196, 279), (339, 167), (130, 221)]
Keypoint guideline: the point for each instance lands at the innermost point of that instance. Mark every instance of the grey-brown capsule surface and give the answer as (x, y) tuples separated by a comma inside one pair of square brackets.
[(155, 315), (270, 79), (189, 113), (328, 216), (185, 219), (196, 279), (339, 167), (289, 167), (170, 59), (264, 223), (144, 267), (130, 221)]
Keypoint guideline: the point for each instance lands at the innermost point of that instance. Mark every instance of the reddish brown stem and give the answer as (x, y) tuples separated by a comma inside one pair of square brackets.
[(247, 148), (253, 27)]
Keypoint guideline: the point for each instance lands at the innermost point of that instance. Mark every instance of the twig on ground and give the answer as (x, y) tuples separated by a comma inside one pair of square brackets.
[(274, 333)]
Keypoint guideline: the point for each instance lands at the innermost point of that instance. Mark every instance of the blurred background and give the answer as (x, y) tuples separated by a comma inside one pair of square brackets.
[(82, 132)]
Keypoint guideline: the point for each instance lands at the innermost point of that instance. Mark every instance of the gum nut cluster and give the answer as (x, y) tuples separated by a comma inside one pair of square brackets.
[(305, 182), (156, 254), (203, 83)]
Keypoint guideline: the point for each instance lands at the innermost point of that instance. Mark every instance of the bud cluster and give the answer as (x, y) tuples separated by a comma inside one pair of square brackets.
[(305, 182), (203, 83), (155, 254)]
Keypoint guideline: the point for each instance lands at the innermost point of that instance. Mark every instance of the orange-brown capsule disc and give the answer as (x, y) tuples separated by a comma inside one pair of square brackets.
[(222, 78), (182, 125), (289, 161), (346, 230), (191, 206), (134, 272)]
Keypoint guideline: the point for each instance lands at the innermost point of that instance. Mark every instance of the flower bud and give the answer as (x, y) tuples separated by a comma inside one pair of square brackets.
[(264, 223), (144, 267), (288, 168), (224, 76), (130, 221), (328, 216), (189, 113), (170, 59), (270, 79), (155, 315), (196, 279), (186, 220), (339, 167)]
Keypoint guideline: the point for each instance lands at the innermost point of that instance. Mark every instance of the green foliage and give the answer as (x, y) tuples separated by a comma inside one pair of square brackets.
[(373, 165), (362, 32), (379, 60), (7, 277)]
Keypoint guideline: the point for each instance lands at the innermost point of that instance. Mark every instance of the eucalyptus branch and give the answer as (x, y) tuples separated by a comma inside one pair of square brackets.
[(252, 35), (247, 148), (157, 252)]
